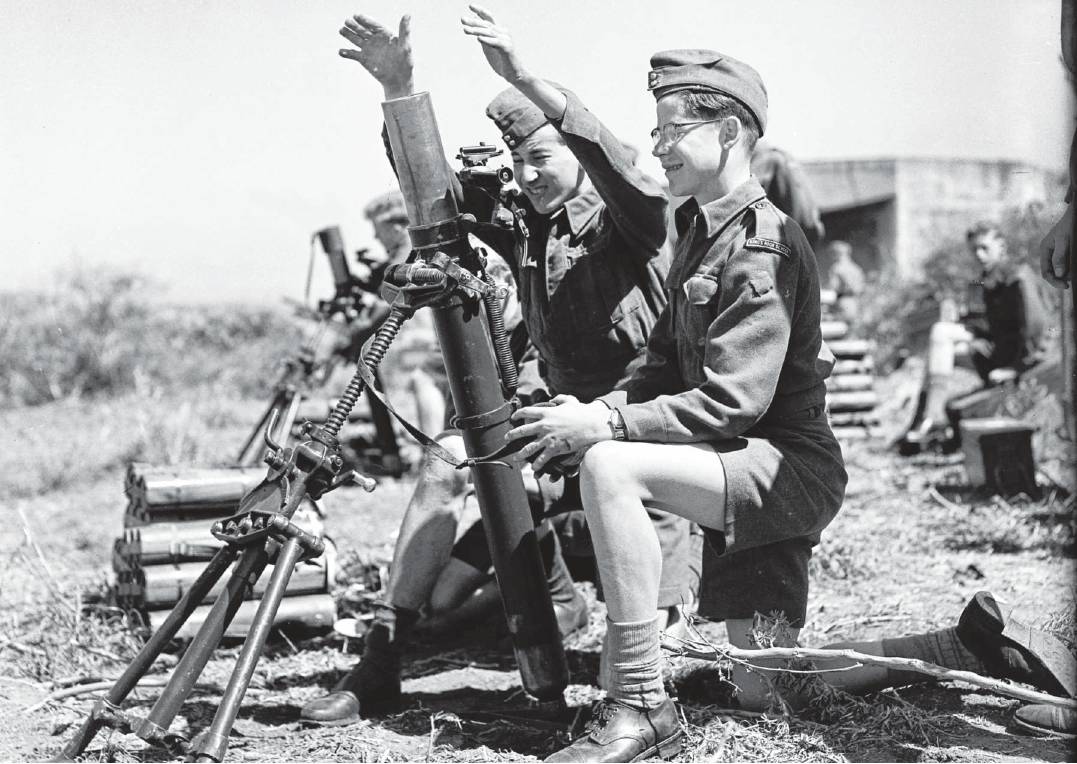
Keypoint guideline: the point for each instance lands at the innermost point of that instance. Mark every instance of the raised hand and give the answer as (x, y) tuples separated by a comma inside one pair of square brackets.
[(385, 56), (496, 42)]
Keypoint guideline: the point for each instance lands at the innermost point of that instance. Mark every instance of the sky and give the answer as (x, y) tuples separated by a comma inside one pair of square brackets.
[(202, 143)]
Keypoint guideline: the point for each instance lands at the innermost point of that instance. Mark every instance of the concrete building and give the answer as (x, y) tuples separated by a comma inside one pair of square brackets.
[(895, 211)]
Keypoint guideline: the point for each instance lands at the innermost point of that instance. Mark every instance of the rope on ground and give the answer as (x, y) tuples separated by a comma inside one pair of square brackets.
[(704, 651)]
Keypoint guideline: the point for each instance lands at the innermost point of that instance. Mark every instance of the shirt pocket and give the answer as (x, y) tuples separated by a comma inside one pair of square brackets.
[(596, 309), (700, 308)]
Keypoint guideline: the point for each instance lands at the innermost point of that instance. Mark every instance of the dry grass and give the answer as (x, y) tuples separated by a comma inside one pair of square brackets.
[(895, 561)]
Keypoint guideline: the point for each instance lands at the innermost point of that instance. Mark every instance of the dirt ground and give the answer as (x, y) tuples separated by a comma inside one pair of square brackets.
[(911, 545)]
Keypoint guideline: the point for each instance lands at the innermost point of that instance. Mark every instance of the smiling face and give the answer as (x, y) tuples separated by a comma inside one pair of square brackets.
[(694, 158), (546, 169)]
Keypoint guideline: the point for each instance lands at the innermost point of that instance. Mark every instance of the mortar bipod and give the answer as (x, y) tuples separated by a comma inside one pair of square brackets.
[(260, 533)]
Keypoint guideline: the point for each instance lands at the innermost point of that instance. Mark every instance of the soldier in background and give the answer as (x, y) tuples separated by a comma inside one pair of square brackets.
[(415, 361), (1003, 344), (846, 279), (788, 189)]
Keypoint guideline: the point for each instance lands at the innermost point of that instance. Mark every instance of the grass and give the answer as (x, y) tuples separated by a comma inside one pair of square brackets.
[(896, 561)]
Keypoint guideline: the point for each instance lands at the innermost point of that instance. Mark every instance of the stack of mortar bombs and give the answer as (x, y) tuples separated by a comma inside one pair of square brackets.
[(851, 397), (167, 542)]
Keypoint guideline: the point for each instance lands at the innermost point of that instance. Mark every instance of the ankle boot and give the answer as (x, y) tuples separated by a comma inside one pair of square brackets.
[(619, 732), (372, 687)]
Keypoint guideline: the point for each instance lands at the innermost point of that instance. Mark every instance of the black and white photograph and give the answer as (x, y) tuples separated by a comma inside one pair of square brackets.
[(597, 381)]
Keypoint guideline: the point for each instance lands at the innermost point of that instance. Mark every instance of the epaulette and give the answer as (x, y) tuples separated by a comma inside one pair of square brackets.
[(769, 232)]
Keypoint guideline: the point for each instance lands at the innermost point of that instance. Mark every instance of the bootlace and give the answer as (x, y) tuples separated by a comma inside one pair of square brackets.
[(601, 714)]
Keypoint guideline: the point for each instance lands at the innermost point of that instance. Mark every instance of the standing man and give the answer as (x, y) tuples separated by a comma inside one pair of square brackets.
[(586, 248), (1001, 345)]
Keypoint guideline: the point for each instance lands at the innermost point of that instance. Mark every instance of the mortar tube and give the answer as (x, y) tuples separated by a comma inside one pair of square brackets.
[(426, 183)]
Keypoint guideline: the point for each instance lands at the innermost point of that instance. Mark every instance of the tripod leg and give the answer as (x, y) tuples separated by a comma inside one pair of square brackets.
[(155, 726), (212, 744), (149, 652)]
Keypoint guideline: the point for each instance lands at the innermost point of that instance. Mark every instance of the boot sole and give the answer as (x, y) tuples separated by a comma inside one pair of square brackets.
[(1042, 650), (1044, 731), (664, 749)]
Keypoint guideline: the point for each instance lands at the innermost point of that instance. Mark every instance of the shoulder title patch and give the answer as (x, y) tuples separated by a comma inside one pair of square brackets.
[(758, 242)]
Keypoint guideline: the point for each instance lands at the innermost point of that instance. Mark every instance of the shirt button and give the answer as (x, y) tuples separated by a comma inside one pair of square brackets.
[(702, 341)]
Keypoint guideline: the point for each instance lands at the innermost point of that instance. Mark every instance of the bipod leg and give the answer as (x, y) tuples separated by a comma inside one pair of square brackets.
[(154, 728), (212, 744), (107, 710), (286, 401)]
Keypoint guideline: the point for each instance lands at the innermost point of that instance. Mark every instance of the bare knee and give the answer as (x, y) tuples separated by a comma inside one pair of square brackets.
[(603, 468)]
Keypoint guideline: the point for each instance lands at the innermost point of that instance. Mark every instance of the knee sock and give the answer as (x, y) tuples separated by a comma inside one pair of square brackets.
[(942, 648), (635, 659)]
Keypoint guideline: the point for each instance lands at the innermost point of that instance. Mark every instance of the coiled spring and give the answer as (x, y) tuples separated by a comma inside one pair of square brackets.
[(387, 332)]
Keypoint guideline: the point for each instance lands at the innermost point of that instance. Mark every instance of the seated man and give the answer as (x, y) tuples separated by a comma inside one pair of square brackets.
[(725, 426), (585, 243), (1003, 344), (415, 364)]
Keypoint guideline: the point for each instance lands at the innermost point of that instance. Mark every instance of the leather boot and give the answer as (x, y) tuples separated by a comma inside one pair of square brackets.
[(1043, 719), (1011, 650), (372, 687), (622, 733)]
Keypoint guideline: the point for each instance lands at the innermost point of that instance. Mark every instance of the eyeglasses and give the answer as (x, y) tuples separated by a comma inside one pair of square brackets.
[(671, 132)]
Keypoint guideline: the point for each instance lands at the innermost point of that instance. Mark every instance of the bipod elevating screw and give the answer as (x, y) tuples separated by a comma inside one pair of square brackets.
[(260, 533)]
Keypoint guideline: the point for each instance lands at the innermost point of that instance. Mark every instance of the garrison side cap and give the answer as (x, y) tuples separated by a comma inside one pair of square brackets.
[(708, 70), (387, 206), (515, 116)]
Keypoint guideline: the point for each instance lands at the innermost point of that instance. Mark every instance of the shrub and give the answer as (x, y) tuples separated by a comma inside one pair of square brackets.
[(105, 332)]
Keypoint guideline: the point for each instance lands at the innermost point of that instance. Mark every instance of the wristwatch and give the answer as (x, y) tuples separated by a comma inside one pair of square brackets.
[(617, 425)]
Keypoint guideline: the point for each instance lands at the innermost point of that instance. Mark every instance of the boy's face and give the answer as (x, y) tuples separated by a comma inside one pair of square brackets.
[(989, 249), (546, 169), (693, 160), (392, 234)]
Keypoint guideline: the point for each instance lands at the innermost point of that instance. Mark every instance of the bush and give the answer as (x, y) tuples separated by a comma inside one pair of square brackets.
[(897, 313), (105, 332)]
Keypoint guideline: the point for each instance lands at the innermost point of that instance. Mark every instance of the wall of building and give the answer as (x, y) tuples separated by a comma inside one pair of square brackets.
[(938, 199), (895, 212)]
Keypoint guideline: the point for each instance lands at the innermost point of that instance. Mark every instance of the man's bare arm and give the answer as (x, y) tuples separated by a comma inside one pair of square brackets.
[(500, 52)]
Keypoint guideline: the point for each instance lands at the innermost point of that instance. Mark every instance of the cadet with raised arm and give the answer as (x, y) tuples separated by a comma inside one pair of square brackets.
[(585, 244)]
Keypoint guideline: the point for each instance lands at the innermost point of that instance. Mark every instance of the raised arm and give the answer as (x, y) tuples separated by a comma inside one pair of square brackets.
[(386, 56), (635, 201)]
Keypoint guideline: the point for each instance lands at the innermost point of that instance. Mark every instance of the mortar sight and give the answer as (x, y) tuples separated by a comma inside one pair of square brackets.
[(474, 159)]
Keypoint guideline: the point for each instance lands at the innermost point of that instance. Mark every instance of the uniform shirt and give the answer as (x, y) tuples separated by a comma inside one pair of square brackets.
[(1015, 316), (590, 276), (739, 341)]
